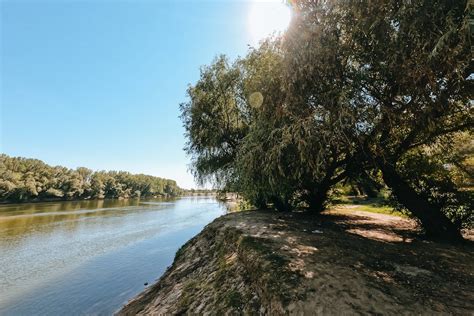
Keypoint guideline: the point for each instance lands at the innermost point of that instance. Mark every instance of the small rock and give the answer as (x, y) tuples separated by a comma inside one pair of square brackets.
[(146, 283), (317, 231)]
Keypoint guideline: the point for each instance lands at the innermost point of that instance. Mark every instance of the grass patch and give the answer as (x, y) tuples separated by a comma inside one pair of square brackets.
[(380, 209), (255, 243), (373, 205), (234, 299), (270, 269), (186, 297)]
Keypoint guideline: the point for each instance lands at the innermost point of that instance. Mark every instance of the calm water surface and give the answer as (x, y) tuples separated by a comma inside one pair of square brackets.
[(90, 257)]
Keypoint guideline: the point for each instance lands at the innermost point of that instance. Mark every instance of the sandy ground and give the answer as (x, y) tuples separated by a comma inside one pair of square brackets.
[(343, 262)]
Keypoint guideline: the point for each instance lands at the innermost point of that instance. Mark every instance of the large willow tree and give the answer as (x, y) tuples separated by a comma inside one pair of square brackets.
[(397, 73), (353, 87), (246, 133), (409, 62)]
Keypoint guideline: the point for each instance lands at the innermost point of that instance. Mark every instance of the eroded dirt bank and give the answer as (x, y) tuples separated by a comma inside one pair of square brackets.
[(263, 262)]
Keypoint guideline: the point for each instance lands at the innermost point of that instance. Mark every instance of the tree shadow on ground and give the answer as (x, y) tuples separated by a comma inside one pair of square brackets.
[(389, 252)]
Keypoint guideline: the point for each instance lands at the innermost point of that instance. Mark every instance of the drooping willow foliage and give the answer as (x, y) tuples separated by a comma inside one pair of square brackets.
[(351, 89)]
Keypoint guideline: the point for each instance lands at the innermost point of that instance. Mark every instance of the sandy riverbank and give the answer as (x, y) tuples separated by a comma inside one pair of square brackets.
[(343, 262)]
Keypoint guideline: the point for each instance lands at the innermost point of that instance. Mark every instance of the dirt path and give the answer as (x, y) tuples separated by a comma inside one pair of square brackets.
[(343, 262)]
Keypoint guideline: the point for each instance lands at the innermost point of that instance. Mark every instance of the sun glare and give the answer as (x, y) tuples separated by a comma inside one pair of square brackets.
[(267, 17)]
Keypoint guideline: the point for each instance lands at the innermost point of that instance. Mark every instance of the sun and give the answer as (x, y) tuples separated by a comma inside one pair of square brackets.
[(266, 18)]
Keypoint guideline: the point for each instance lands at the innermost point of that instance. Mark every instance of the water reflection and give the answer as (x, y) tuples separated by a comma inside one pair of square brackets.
[(37, 208), (21, 219), (41, 242)]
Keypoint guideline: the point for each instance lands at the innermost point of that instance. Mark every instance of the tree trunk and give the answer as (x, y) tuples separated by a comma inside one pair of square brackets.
[(318, 196), (355, 190), (281, 204), (432, 219), (260, 202), (368, 188)]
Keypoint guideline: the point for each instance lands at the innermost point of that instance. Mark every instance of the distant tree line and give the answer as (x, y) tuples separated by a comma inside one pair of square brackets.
[(23, 179), (200, 191), (374, 92)]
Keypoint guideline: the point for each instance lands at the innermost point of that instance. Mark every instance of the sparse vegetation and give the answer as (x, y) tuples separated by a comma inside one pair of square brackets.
[(380, 210), (263, 262)]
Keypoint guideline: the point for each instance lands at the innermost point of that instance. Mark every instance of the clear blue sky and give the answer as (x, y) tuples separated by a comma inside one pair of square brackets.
[(98, 83)]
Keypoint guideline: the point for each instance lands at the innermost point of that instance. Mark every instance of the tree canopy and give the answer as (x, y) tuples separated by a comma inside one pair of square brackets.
[(24, 179), (351, 89)]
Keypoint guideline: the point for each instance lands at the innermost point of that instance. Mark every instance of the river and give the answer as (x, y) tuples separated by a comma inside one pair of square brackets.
[(91, 257)]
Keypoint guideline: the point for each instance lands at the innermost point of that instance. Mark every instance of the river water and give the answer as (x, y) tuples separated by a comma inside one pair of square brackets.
[(91, 257)]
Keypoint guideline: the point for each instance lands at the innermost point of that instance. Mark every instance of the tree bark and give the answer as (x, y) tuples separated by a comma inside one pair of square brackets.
[(435, 223), (281, 204), (318, 196)]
